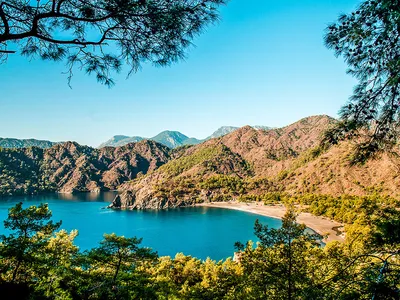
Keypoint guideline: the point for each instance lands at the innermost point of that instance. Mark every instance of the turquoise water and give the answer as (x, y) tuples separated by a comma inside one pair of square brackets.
[(198, 231)]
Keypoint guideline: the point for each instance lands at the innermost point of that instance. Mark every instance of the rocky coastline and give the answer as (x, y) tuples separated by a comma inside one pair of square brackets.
[(129, 200)]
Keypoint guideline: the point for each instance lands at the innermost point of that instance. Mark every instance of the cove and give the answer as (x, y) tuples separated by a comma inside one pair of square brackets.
[(198, 231)]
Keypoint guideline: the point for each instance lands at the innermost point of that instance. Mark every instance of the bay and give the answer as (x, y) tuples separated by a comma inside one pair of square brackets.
[(198, 231)]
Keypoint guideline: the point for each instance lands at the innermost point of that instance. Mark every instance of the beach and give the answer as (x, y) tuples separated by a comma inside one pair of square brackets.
[(319, 224)]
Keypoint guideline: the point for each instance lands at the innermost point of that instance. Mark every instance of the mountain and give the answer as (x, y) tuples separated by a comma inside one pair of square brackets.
[(70, 167), (242, 161), (261, 127), (121, 140), (24, 143), (172, 139), (250, 164), (222, 131), (331, 173)]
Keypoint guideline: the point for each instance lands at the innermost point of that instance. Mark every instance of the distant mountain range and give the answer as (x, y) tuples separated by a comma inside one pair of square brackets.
[(172, 139), (24, 143)]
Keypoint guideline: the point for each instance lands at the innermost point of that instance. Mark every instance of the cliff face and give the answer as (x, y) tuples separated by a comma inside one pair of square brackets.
[(70, 167)]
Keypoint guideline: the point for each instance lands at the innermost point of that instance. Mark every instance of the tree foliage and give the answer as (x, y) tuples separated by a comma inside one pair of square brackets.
[(284, 265), (32, 229), (38, 262), (98, 36), (368, 40)]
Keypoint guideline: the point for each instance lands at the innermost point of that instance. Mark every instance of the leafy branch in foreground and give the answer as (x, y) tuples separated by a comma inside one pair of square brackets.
[(98, 36), (368, 39)]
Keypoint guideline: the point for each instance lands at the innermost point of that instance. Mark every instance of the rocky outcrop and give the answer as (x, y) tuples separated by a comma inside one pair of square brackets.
[(128, 200)]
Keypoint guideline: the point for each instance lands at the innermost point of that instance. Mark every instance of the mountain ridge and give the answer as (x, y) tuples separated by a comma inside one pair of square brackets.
[(69, 167), (173, 139), (247, 161), (24, 143)]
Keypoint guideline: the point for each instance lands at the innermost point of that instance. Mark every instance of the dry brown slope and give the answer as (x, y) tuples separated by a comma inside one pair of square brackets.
[(331, 173), (225, 167), (273, 150), (252, 163)]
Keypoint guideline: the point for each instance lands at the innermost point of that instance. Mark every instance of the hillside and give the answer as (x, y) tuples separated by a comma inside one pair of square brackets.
[(250, 164), (174, 139), (24, 143), (330, 173), (243, 161), (70, 167), (224, 130)]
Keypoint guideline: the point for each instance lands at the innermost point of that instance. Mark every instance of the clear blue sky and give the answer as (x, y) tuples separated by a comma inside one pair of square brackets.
[(264, 64)]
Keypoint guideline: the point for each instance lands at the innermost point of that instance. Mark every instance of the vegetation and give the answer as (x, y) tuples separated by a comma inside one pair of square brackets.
[(210, 158), (39, 262), (285, 264), (101, 35), (368, 39), (218, 187), (19, 173), (346, 208), (21, 143), (185, 163)]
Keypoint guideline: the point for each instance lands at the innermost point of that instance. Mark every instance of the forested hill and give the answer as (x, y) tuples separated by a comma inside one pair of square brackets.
[(70, 167), (24, 143)]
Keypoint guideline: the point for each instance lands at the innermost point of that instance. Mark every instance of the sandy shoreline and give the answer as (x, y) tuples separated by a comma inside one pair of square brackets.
[(320, 225)]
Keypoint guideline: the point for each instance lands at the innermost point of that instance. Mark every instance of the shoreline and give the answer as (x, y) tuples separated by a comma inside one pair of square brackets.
[(320, 225)]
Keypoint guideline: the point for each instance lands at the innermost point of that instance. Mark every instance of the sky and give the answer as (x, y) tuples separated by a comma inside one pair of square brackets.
[(265, 63)]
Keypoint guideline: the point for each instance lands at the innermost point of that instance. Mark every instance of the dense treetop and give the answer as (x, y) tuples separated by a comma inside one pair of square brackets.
[(38, 262)]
